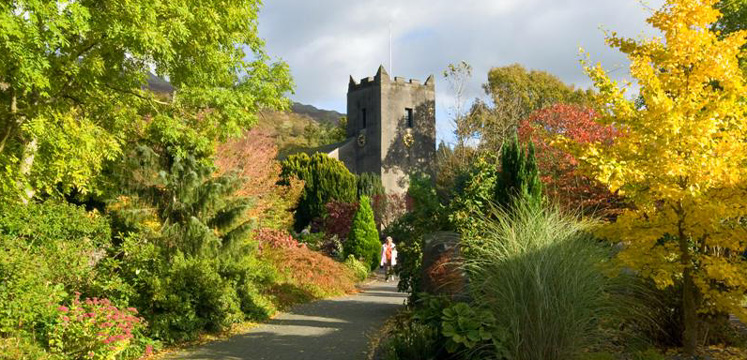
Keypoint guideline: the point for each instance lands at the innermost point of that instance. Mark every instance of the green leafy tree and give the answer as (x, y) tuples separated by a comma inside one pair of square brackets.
[(363, 241), (516, 93), (73, 78), (325, 179), (474, 194), (484, 185), (425, 215), (450, 163), (734, 19)]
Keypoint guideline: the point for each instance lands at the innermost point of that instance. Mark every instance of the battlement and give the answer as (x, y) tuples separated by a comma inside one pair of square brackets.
[(382, 78)]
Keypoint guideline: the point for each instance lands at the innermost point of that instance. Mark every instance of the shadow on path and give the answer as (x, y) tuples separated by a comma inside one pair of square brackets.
[(326, 329)]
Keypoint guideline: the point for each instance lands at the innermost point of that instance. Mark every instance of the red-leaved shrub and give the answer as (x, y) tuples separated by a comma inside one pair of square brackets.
[(558, 168), (313, 274), (275, 239), (339, 218)]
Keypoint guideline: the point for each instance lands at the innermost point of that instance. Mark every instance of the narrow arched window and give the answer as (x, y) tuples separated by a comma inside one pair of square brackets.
[(409, 117)]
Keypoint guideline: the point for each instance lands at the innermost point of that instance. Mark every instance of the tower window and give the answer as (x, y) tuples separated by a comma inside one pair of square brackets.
[(363, 117), (409, 117)]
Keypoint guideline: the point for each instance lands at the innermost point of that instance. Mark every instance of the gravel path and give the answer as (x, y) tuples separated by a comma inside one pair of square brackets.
[(323, 330)]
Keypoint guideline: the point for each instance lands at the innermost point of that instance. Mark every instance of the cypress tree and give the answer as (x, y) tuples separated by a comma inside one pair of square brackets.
[(518, 179), (363, 241)]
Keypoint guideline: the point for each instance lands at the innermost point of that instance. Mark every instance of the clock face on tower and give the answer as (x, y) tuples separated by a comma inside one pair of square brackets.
[(361, 140)]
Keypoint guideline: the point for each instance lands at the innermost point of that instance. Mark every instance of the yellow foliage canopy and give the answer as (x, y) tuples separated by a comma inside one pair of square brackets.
[(682, 157)]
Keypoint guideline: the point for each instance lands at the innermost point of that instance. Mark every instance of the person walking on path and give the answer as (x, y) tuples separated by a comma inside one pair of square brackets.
[(388, 257)]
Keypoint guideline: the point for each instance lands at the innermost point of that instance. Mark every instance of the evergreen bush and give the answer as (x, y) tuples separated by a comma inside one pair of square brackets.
[(363, 241), (518, 179), (191, 297), (325, 179), (369, 184)]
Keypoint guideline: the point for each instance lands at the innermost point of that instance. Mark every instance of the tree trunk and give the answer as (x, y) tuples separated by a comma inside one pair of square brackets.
[(689, 313), (27, 162), (689, 292), (11, 121)]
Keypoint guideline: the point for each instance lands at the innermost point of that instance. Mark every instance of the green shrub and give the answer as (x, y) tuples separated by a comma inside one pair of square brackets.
[(247, 275), (67, 239), (369, 184), (191, 297), (47, 251), (539, 273), (474, 194), (649, 354), (53, 222), (25, 288), (181, 298), (598, 356), (21, 348), (314, 241), (484, 185), (360, 269), (425, 215), (363, 241), (429, 309), (411, 341), (325, 179)]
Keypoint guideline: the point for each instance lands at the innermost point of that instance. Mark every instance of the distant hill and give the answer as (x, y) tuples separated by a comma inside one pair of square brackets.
[(303, 127), (159, 85), (321, 116)]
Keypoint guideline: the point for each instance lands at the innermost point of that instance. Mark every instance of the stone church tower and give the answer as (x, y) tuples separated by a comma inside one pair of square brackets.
[(391, 129)]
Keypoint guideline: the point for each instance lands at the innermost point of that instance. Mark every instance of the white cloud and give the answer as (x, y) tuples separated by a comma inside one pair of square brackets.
[(324, 41)]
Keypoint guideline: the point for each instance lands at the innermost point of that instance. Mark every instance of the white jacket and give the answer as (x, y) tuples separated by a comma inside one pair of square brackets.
[(383, 254)]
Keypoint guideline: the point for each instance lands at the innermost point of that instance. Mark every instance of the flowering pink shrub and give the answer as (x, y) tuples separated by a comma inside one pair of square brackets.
[(93, 329)]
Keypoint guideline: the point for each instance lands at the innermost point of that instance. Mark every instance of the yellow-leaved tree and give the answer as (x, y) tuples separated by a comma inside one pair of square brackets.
[(681, 160)]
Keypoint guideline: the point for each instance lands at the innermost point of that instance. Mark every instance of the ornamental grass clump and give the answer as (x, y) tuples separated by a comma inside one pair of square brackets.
[(538, 272)]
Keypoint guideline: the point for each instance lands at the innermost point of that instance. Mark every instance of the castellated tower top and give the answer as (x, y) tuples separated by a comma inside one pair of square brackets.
[(382, 77), (391, 129)]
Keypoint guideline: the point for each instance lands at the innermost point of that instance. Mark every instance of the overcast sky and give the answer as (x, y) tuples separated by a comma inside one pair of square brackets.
[(326, 41)]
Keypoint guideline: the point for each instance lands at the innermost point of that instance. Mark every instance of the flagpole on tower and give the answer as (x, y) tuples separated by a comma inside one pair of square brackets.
[(391, 67)]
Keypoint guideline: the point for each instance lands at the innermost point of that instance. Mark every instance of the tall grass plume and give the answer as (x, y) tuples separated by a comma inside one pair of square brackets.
[(538, 270)]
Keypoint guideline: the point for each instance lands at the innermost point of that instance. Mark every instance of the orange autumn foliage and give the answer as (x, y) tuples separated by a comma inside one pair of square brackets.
[(253, 157)]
